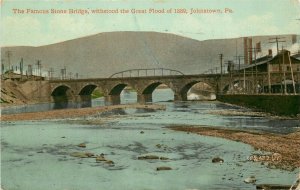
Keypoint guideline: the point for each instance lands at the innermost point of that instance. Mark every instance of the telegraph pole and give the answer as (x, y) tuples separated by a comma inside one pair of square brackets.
[(64, 73), (51, 71), (277, 40), (2, 66), (292, 73), (39, 67), (21, 68), (283, 68), (255, 79), (230, 68), (221, 60), (239, 58), (8, 54), (70, 75)]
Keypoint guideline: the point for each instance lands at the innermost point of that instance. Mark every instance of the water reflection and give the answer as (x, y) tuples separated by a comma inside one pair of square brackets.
[(185, 113), (48, 156)]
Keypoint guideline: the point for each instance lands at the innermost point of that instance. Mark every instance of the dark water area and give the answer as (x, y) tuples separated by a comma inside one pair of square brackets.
[(37, 154)]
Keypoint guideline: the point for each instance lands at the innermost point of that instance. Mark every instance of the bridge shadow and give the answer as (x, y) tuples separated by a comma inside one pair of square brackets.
[(85, 96), (61, 97), (121, 94)]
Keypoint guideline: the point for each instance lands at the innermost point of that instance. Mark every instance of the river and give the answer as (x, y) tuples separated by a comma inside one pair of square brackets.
[(36, 154)]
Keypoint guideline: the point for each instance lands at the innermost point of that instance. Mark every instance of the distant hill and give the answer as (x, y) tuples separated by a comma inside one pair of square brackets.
[(103, 54)]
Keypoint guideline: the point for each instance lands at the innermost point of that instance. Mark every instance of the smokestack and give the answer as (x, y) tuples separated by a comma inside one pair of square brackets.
[(294, 39), (270, 53), (250, 50), (258, 47), (245, 50)]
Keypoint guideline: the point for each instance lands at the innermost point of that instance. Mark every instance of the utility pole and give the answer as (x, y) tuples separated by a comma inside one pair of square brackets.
[(70, 75), (63, 73), (283, 68), (39, 68), (21, 68), (254, 79), (221, 78), (230, 68), (269, 78), (50, 73), (239, 58), (292, 73), (2, 66), (8, 54), (277, 40), (221, 62)]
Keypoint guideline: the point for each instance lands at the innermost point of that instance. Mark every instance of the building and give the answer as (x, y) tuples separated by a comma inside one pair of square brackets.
[(278, 63), (284, 64)]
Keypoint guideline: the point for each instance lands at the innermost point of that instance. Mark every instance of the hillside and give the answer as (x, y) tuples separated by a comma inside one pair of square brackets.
[(103, 54)]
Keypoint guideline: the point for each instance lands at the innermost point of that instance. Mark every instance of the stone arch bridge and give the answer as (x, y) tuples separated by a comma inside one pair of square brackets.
[(80, 90)]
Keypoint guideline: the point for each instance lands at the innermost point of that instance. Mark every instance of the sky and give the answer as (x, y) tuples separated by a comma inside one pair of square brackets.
[(234, 18)]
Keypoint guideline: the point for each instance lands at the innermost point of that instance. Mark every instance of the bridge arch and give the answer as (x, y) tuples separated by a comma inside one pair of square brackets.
[(114, 94), (87, 89), (117, 89), (85, 95), (60, 90), (146, 93), (61, 96), (183, 93)]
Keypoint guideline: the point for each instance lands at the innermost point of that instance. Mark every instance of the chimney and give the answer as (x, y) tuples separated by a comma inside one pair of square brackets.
[(270, 53), (245, 50), (258, 47), (250, 50)]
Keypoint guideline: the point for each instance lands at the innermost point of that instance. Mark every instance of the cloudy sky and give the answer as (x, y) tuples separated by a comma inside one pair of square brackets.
[(248, 18)]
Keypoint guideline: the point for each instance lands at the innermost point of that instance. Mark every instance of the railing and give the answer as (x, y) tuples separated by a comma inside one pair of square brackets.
[(146, 72)]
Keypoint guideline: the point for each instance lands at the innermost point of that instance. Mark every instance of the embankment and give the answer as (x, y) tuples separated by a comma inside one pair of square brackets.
[(288, 105)]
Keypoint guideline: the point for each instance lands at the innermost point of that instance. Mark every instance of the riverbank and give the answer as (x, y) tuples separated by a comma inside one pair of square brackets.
[(73, 113), (287, 146), (283, 105)]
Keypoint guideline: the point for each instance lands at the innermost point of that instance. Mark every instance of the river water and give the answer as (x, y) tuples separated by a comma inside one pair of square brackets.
[(35, 155)]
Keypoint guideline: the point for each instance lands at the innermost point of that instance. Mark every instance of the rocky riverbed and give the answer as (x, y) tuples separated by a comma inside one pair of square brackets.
[(117, 148), (285, 147), (73, 113)]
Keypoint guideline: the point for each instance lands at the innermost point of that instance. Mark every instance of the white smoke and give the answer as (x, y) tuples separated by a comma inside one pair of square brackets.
[(274, 50), (265, 50), (294, 48)]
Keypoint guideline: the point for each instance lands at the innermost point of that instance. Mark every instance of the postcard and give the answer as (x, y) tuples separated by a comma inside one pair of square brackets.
[(150, 94)]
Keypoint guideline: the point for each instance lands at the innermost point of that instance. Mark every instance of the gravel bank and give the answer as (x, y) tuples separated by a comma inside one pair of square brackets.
[(286, 145), (72, 113)]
